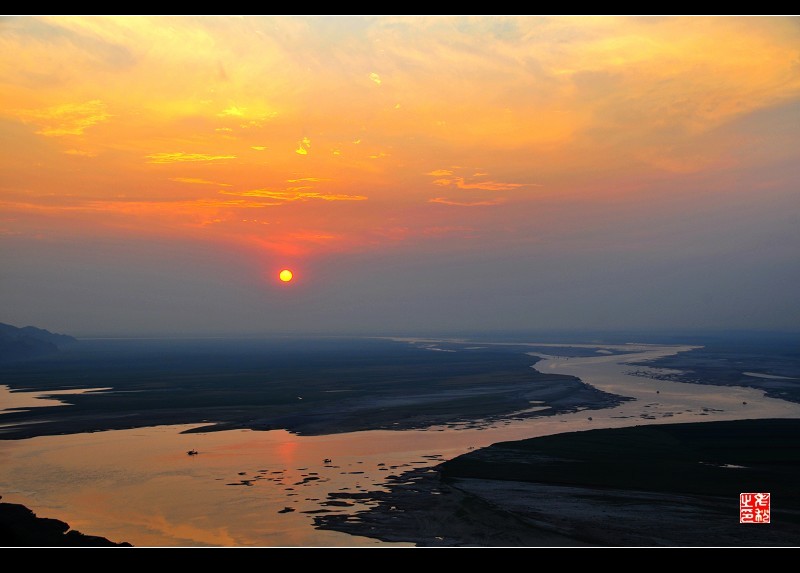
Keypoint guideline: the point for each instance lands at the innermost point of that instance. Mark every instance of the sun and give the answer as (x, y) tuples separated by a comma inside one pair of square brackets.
[(286, 275)]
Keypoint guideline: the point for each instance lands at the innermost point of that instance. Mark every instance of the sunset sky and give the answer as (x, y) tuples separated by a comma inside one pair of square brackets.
[(417, 174)]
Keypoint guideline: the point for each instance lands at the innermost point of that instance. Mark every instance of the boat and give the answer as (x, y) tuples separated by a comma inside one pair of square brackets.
[(192, 452)]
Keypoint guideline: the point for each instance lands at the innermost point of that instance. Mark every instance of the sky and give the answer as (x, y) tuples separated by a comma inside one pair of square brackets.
[(416, 174)]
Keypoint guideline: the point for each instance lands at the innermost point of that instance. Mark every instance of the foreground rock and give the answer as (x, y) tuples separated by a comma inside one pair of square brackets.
[(20, 527)]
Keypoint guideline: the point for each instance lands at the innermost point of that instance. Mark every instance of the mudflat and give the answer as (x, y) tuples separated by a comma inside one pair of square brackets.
[(658, 485), (309, 387)]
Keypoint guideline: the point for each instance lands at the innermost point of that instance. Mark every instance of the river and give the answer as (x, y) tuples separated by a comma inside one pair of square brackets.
[(251, 488)]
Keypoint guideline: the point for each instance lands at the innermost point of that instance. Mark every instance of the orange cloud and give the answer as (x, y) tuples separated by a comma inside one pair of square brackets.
[(447, 178), (180, 157), (313, 237), (198, 181), (635, 101), (461, 183), (439, 231), (303, 146), (66, 119), (232, 111), (296, 194), (80, 152), (444, 201)]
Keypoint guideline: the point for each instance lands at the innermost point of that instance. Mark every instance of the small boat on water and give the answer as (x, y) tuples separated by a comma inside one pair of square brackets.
[(192, 452)]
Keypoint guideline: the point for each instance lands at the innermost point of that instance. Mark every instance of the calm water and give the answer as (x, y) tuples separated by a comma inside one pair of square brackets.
[(25, 400), (140, 485)]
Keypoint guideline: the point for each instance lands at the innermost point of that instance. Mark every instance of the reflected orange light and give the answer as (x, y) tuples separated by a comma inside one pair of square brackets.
[(286, 452)]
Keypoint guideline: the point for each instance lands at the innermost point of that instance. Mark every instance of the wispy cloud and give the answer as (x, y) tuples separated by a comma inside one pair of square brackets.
[(65, 119), (375, 78), (258, 147), (232, 111), (180, 157), (135, 208), (311, 179), (231, 203), (296, 194), (80, 152), (448, 178), (303, 146), (444, 201), (461, 183), (313, 236), (440, 231), (198, 181)]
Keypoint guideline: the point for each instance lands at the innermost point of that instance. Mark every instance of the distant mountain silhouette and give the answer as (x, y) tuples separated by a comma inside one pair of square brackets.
[(29, 342)]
